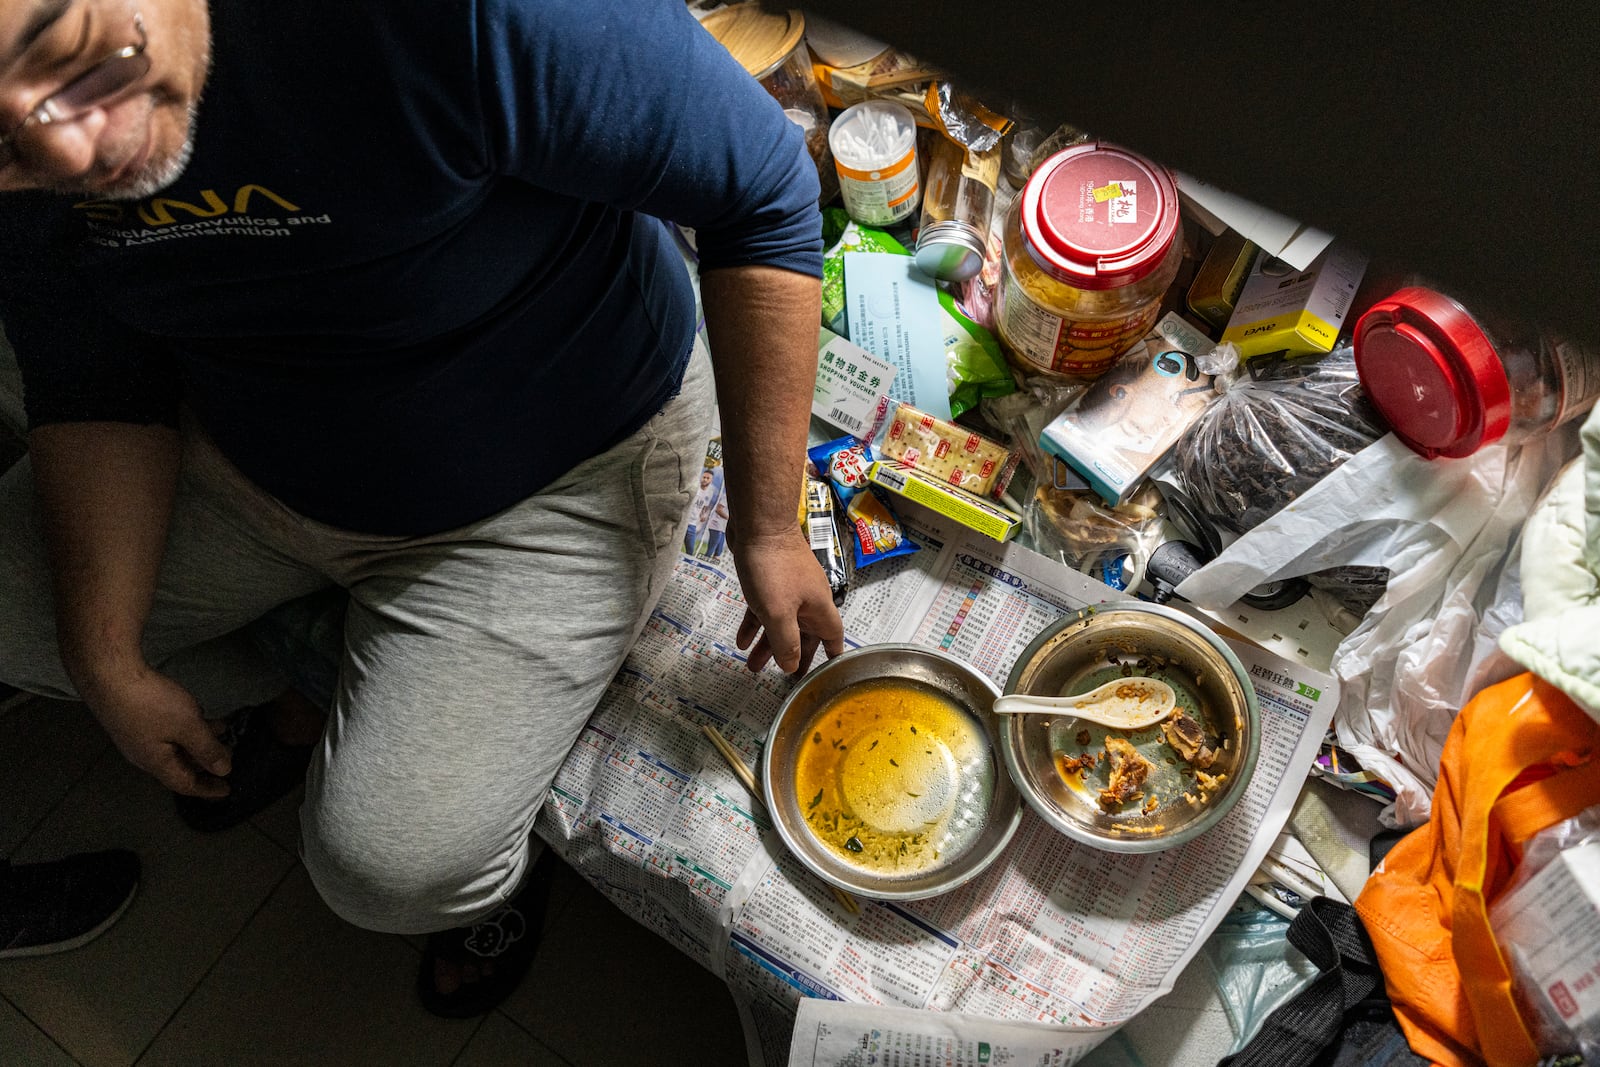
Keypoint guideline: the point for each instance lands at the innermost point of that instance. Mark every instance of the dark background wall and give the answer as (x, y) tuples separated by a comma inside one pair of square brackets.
[(1459, 140)]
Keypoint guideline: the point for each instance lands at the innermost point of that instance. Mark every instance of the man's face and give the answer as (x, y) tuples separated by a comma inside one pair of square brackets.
[(705, 479), (125, 147)]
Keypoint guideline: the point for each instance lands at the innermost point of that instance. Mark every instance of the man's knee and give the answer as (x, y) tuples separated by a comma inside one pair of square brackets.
[(403, 880)]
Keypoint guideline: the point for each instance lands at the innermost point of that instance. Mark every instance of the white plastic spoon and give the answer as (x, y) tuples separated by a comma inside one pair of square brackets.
[(1124, 704)]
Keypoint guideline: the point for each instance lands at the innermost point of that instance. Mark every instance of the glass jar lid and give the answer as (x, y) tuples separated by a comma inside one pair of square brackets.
[(1433, 373), (1098, 216), (950, 250), (759, 39)]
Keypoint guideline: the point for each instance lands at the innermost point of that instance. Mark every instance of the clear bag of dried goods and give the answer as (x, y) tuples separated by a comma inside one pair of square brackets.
[(1112, 544), (1266, 440), (1271, 435)]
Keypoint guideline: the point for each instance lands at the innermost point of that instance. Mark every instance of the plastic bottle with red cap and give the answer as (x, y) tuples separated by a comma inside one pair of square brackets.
[(1450, 382), (1090, 247)]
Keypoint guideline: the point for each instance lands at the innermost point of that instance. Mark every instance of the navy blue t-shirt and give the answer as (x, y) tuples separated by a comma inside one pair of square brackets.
[(415, 271)]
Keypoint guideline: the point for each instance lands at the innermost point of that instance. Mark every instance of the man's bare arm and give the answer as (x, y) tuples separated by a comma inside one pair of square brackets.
[(762, 326), (106, 492)]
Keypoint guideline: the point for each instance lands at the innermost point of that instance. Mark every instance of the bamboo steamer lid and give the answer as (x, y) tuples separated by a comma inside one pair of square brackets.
[(759, 40)]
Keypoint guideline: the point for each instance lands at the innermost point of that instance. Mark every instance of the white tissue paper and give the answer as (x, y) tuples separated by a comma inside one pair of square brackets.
[(1447, 529)]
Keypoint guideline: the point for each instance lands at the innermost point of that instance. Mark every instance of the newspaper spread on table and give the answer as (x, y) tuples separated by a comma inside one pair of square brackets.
[(1054, 933)]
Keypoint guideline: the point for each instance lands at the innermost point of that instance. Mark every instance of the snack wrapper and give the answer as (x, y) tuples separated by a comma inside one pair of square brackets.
[(878, 533), (817, 517), (949, 453), (843, 463)]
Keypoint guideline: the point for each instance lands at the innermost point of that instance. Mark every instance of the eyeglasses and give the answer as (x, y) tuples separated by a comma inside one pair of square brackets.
[(84, 93)]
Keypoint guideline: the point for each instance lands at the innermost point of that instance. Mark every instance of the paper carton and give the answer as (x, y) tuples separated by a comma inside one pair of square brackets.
[(1551, 926), (1299, 312), (973, 512), (1133, 414)]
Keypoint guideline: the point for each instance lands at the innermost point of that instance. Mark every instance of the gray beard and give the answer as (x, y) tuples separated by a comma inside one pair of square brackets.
[(160, 173)]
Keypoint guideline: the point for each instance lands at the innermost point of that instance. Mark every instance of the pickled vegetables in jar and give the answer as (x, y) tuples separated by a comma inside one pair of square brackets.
[(1090, 247)]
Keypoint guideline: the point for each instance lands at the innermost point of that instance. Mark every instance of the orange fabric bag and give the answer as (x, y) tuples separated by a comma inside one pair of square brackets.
[(1520, 757)]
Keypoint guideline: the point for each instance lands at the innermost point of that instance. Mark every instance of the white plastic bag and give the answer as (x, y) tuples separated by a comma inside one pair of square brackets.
[(1447, 531)]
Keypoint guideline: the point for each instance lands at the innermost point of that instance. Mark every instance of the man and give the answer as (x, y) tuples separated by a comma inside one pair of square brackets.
[(699, 512), (389, 310), (717, 527)]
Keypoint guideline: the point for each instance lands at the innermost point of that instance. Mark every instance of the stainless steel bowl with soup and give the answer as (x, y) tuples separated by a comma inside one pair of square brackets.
[(883, 773)]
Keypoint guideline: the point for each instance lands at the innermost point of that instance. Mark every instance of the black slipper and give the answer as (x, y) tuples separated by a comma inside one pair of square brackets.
[(507, 938), (60, 904), (264, 769)]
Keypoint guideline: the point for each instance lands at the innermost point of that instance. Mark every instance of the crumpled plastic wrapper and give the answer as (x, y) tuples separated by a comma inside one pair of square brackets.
[(1077, 528), (1448, 532), (1264, 443), (965, 121)]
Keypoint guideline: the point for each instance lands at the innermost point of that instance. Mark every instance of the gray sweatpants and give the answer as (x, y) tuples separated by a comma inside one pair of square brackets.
[(471, 658)]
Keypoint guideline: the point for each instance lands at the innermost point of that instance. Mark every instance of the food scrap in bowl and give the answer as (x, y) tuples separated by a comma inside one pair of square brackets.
[(1068, 766), (1128, 772), (1188, 740)]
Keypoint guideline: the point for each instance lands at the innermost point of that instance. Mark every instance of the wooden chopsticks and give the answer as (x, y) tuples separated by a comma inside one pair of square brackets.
[(748, 777)]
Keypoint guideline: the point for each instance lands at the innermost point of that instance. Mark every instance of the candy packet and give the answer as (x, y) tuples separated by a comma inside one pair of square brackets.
[(817, 517), (843, 463), (878, 533)]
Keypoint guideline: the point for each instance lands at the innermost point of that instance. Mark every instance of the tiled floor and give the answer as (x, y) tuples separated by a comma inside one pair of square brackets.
[(229, 958)]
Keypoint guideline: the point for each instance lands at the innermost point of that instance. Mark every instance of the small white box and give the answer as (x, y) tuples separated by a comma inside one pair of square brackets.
[(1550, 928), (1133, 414)]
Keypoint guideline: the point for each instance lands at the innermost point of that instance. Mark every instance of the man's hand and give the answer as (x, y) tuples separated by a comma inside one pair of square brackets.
[(791, 607), (762, 325), (106, 492), (157, 725)]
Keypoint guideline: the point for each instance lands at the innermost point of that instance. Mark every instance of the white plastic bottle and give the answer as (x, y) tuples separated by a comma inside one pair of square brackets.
[(875, 152)]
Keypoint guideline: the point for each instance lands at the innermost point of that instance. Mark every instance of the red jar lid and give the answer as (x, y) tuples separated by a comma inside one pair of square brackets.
[(1433, 373), (1097, 216)]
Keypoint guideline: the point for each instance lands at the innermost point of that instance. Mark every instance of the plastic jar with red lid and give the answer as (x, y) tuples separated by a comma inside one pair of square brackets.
[(1089, 248), (1450, 382)]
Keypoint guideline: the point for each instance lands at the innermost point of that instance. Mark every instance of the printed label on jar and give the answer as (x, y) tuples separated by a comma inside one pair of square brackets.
[(1063, 346), (1579, 369), (880, 197)]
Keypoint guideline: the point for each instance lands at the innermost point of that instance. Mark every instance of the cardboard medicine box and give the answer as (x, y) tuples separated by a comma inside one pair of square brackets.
[(1551, 923), (1300, 312), (973, 512), (1133, 414)]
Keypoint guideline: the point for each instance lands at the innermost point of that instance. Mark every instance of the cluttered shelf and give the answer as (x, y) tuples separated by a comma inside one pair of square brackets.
[(1056, 379)]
